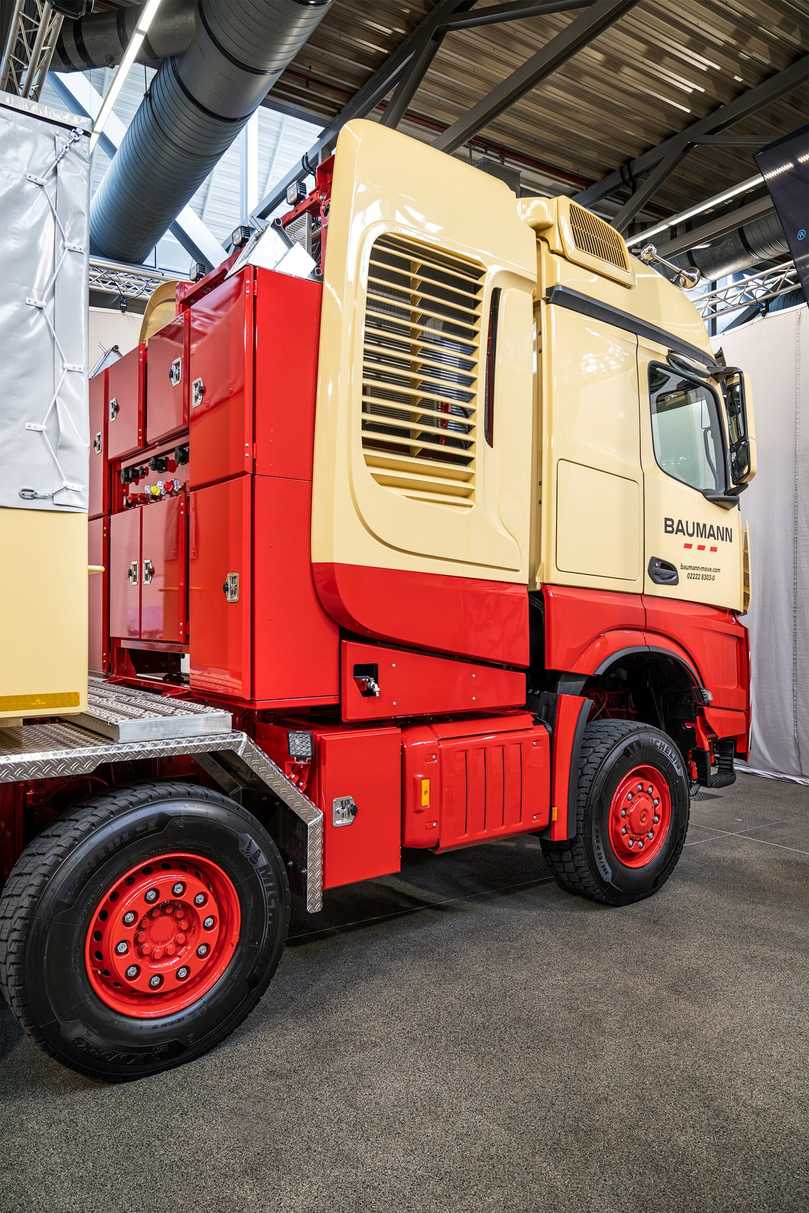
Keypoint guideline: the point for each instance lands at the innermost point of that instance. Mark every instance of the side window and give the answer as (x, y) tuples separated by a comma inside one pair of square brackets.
[(687, 430)]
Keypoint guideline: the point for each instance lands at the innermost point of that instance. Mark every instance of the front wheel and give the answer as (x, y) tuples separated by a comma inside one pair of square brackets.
[(632, 810), (141, 929)]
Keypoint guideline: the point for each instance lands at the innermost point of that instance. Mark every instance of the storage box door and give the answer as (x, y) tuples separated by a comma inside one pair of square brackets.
[(125, 574), (221, 381), (126, 388), (97, 501), (163, 571), (167, 381), (220, 588), (98, 554)]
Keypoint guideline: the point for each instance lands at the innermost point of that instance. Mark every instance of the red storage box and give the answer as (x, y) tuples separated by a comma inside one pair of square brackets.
[(126, 403), (167, 380)]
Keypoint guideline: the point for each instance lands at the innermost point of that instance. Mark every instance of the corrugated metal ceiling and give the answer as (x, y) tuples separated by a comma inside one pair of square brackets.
[(659, 68)]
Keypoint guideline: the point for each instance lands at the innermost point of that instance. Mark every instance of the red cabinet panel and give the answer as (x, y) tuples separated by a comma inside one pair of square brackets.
[(126, 398), (125, 574), (221, 381), (163, 570), (287, 339), (354, 769), (98, 500), (296, 644), (415, 684), (220, 587), (167, 380), (98, 554), (468, 781)]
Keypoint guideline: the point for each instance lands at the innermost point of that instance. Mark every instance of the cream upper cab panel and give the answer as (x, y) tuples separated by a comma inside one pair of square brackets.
[(408, 474)]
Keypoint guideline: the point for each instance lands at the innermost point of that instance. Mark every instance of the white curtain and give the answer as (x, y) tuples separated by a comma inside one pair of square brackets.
[(774, 353)]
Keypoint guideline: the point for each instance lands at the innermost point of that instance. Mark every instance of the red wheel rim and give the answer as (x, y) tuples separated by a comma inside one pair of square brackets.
[(640, 816), (162, 935)]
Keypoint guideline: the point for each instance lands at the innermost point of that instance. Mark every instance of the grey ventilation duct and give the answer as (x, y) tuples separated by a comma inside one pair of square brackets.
[(101, 39), (194, 109), (759, 241)]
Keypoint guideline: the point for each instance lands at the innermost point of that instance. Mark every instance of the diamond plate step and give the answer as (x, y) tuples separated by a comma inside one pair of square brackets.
[(125, 714)]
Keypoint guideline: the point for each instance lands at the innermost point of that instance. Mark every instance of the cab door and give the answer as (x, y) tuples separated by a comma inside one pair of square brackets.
[(693, 546)]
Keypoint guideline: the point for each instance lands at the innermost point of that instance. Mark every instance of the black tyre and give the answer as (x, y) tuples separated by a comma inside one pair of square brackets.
[(138, 931), (632, 810)]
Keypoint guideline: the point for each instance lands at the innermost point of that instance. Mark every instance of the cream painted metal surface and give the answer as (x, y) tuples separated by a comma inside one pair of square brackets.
[(703, 541), (436, 210), (43, 613)]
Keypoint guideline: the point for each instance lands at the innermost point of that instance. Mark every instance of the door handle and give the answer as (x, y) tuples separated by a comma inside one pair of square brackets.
[(132, 573), (148, 572), (176, 372), (661, 572)]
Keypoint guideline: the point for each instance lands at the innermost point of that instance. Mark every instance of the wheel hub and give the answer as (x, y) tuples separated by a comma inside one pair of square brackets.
[(162, 935), (639, 816)]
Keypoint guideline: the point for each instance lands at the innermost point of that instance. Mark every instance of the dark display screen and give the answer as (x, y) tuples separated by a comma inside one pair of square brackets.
[(785, 168)]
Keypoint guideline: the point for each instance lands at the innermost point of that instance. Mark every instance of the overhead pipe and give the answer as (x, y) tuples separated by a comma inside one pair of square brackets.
[(101, 39), (195, 107), (761, 240)]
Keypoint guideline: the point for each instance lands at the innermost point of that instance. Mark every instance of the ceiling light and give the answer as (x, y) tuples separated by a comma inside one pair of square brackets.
[(130, 55)]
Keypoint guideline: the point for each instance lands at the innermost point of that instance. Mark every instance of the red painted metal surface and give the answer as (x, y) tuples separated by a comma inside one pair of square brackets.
[(473, 780), (98, 499), (714, 640), (221, 381), (126, 403), (295, 643), (98, 554), (460, 615), (639, 816), (584, 627), (163, 570), (415, 684), (167, 395), (219, 548), (125, 574), (162, 935), (361, 763), (287, 339), (571, 713)]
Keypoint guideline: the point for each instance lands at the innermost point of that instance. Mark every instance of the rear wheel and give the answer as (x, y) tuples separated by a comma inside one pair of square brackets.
[(141, 929), (632, 810)]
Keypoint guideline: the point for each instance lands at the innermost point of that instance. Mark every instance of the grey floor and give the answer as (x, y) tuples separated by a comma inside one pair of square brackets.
[(467, 1037)]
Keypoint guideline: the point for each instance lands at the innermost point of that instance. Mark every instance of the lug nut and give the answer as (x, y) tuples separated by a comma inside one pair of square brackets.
[(203, 950), (155, 982), (629, 795), (656, 818), (200, 899), (623, 812), (640, 846), (129, 918), (183, 972), (180, 938), (630, 842), (650, 789), (208, 922), (132, 972), (122, 948), (150, 895), (179, 888), (655, 802), (640, 787), (650, 835), (624, 830)]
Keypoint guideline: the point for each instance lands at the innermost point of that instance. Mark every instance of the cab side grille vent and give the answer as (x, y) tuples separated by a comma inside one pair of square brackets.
[(595, 237), (421, 353)]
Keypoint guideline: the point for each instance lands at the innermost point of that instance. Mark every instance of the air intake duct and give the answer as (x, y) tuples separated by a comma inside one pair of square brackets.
[(101, 39), (761, 240), (194, 109)]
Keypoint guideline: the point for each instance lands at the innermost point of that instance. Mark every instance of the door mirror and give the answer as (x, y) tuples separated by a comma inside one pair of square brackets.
[(739, 450)]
